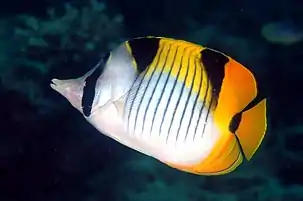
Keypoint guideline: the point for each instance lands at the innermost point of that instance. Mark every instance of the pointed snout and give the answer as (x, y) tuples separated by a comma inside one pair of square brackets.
[(71, 89)]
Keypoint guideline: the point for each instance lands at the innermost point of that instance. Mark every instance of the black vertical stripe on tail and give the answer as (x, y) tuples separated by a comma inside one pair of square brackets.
[(214, 64), (235, 122), (144, 51), (89, 89)]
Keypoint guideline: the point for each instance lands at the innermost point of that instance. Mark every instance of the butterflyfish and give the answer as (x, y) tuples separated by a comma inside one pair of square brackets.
[(190, 107)]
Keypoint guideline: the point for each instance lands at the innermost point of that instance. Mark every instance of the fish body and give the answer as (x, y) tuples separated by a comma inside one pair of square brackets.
[(190, 107)]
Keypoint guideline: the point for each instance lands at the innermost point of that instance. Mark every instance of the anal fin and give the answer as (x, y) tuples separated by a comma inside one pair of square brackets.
[(225, 157)]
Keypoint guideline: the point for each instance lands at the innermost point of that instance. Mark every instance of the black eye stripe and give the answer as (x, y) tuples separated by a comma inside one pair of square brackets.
[(89, 89)]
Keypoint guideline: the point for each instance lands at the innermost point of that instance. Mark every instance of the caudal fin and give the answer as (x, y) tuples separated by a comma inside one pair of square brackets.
[(252, 128)]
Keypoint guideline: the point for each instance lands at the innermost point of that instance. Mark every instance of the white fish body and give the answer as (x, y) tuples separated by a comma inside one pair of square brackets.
[(116, 120)]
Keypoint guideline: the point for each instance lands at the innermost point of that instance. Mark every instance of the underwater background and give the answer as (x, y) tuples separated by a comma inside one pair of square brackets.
[(48, 152)]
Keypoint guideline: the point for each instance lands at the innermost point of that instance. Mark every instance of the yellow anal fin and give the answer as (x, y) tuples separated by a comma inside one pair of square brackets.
[(252, 128), (225, 158)]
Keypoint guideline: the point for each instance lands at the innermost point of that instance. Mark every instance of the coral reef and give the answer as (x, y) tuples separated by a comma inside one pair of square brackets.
[(80, 31)]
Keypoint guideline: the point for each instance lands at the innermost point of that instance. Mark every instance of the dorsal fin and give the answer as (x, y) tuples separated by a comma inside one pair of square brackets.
[(143, 51), (214, 64)]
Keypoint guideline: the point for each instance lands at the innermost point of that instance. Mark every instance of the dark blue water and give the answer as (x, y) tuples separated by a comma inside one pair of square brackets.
[(49, 152)]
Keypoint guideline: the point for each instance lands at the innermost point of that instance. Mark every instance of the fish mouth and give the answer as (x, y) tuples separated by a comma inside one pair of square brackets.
[(54, 83), (70, 89), (57, 85)]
